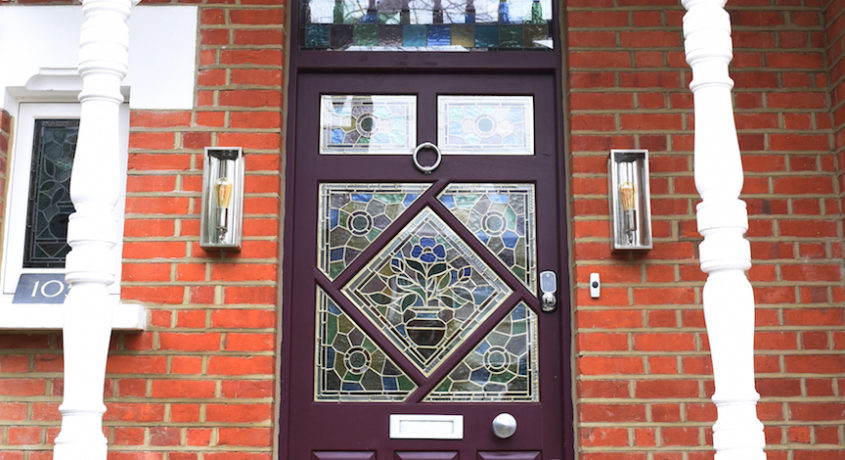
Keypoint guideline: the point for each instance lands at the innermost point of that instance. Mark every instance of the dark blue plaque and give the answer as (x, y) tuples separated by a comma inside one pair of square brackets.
[(41, 288)]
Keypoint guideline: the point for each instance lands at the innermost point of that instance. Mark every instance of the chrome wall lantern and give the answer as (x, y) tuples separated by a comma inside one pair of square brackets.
[(629, 199), (221, 222)]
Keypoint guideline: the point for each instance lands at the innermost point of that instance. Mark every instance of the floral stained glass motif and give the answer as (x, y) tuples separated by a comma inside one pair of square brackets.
[(350, 366), (502, 217), (353, 215), (488, 125), (45, 244), (368, 124), (427, 291), (503, 367)]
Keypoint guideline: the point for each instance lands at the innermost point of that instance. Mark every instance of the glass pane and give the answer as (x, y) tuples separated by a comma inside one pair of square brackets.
[(488, 125), (353, 215), (45, 244), (368, 124), (350, 366), (503, 367), (434, 25), (502, 217), (427, 290)]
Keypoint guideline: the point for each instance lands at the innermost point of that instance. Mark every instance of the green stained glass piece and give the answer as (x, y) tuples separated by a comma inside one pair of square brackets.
[(350, 366), (366, 35), (502, 217), (352, 216), (496, 372), (510, 36), (486, 36), (426, 291)]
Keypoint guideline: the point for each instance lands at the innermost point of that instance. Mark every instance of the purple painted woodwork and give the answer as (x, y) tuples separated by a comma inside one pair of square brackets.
[(509, 456), (426, 456), (343, 456)]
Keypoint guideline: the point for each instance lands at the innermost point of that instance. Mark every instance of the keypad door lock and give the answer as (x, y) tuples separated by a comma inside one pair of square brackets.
[(548, 287)]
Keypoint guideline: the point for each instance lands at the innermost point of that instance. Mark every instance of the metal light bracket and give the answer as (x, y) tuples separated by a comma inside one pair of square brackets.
[(629, 200), (221, 219)]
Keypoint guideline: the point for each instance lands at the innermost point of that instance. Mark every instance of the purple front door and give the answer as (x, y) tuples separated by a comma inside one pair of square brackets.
[(412, 317)]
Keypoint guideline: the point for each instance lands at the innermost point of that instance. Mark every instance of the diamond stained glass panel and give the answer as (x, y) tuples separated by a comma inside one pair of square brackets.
[(353, 215), (487, 125), (502, 217), (427, 291), (350, 366), (368, 124), (503, 367)]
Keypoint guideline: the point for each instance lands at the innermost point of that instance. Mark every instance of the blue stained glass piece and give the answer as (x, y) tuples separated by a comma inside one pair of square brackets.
[(510, 239), (486, 36), (336, 254), (350, 386), (481, 293), (333, 309), (409, 198), (414, 35), (439, 36), (480, 375), (518, 312), (523, 365), (498, 197), (482, 347), (333, 216), (448, 201), (389, 383), (337, 136), (329, 358), (362, 197), (483, 237)]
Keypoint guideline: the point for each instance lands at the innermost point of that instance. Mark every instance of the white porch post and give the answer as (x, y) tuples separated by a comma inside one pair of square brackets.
[(722, 220), (92, 231)]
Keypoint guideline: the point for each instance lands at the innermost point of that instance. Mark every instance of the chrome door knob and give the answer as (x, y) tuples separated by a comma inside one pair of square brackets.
[(504, 425)]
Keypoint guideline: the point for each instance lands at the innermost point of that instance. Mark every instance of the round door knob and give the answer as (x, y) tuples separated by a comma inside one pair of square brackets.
[(504, 425)]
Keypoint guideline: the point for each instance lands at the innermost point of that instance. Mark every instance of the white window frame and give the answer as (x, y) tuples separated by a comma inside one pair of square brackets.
[(17, 202)]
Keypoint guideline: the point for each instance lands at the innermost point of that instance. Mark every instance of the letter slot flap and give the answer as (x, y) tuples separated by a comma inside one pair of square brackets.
[(426, 426)]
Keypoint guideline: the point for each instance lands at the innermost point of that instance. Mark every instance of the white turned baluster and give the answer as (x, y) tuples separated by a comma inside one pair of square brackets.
[(92, 230), (723, 220)]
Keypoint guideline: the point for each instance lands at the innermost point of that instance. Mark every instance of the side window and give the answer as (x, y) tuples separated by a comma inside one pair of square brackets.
[(39, 204)]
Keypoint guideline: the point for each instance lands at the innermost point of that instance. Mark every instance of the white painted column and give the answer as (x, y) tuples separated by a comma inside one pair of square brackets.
[(92, 231), (723, 220)]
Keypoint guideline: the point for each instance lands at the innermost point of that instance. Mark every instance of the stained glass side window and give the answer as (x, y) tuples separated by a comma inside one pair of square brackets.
[(488, 125), (434, 25), (427, 290), (45, 242), (502, 217), (353, 215), (350, 366), (503, 367), (367, 124)]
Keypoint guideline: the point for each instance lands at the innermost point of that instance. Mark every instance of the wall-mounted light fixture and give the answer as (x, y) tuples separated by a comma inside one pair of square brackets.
[(629, 199), (222, 198)]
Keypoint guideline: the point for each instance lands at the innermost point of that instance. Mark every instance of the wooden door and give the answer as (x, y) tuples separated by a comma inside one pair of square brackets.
[(412, 312)]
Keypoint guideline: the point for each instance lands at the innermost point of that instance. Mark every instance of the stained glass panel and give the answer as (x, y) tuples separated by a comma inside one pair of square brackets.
[(45, 244), (353, 215), (367, 124), (426, 290), (486, 125), (434, 25), (350, 366), (503, 367), (502, 217)]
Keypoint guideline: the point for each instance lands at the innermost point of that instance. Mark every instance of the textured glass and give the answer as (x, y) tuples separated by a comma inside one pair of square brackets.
[(426, 290), (503, 367), (353, 215), (350, 366), (430, 24), (486, 125), (45, 244), (368, 124), (502, 217)]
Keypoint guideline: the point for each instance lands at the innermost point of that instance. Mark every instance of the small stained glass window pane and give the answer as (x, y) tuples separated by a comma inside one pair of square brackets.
[(368, 124), (429, 25), (54, 144), (489, 125)]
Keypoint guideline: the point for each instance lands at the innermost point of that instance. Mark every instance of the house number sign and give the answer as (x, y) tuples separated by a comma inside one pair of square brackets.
[(41, 288)]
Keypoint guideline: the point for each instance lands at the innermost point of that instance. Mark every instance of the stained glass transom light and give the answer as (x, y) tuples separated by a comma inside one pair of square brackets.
[(426, 291), (353, 215), (437, 25), (503, 367), (350, 366), (367, 124), (486, 125), (502, 217)]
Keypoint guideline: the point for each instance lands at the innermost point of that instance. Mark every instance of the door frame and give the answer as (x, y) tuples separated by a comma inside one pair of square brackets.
[(546, 61)]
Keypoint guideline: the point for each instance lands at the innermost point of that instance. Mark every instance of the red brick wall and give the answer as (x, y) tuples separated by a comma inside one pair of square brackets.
[(644, 375), (835, 41)]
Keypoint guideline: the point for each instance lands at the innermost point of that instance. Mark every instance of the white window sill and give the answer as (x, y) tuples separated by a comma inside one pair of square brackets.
[(45, 317)]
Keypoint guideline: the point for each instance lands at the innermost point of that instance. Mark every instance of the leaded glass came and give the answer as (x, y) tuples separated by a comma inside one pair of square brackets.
[(54, 144)]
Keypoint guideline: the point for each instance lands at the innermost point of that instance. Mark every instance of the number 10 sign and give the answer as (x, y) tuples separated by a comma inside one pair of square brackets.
[(41, 288)]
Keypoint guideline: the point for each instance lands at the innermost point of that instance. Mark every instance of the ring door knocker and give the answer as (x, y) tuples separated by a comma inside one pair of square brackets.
[(432, 167)]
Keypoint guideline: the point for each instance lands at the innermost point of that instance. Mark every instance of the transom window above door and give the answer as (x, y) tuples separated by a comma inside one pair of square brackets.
[(425, 25)]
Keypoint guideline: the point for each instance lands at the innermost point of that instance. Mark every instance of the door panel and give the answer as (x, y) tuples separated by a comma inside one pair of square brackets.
[(417, 295)]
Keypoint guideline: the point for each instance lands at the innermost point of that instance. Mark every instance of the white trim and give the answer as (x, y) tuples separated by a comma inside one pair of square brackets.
[(39, 316)]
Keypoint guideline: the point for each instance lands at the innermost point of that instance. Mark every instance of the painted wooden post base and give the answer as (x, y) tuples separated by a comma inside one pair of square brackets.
[(723, 220), (92, 230)]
